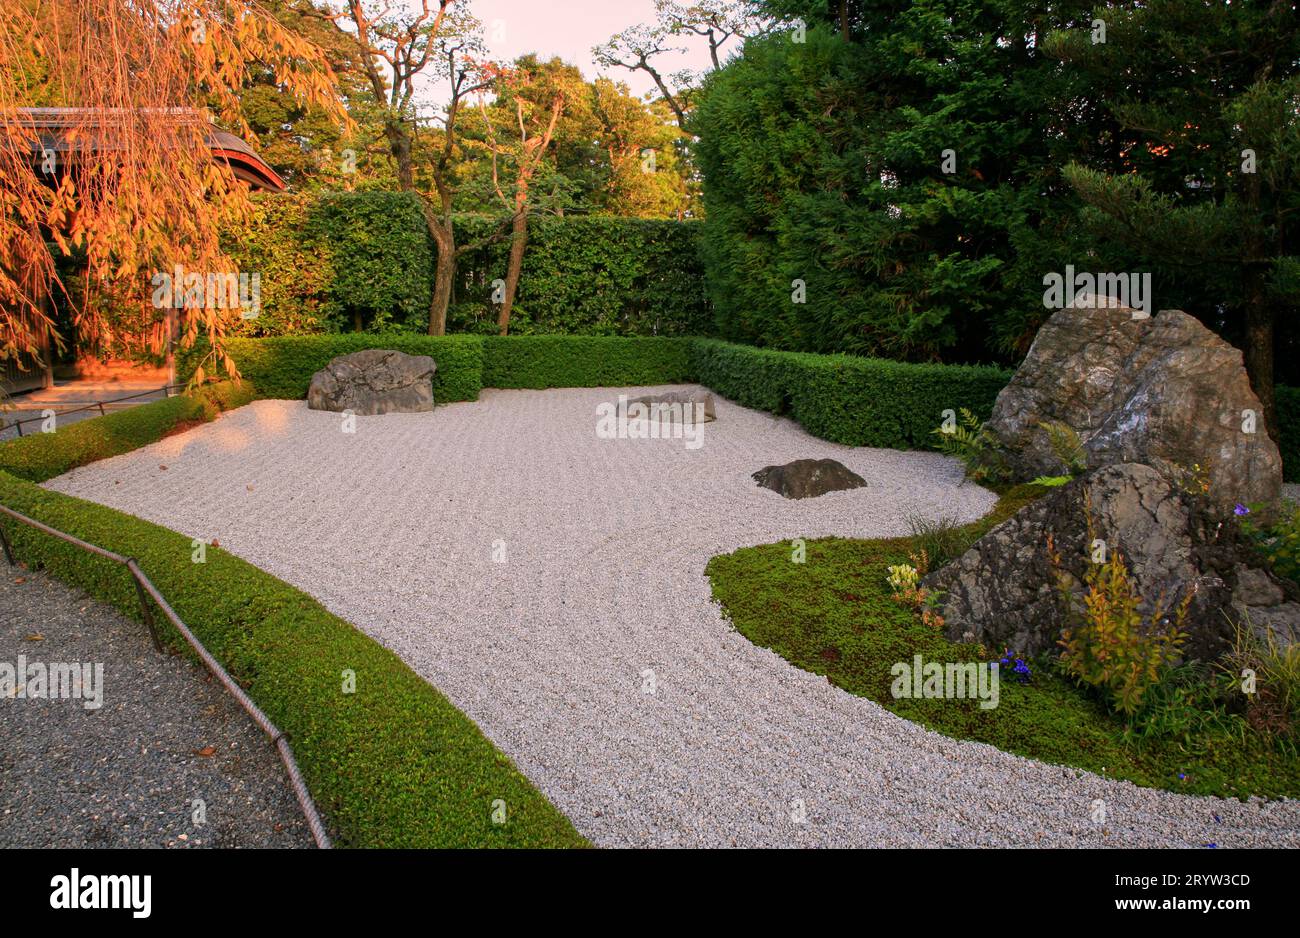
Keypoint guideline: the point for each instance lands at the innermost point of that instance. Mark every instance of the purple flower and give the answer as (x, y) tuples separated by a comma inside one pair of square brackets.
[(1240, 510)]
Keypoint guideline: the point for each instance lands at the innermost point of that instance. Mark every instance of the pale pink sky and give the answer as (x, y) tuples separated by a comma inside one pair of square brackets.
[(569, 29)]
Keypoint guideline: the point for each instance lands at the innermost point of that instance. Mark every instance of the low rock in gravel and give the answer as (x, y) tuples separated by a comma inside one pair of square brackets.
[(374, 381), (808, 478), (687, 400), (1003, 591)]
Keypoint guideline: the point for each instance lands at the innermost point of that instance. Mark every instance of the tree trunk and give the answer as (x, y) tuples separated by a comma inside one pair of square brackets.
[(1258, 355), (444, 273), (518, 240)]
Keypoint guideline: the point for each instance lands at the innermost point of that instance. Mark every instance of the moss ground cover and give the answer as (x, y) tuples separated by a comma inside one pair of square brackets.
[(834, 615)]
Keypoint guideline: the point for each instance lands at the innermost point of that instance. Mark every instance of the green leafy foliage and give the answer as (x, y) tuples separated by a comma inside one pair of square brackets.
[(1278, 542), (824, 162), (586, 275), (338, 261), (393, 765), (968, 440), (1264, 676), (1066, 447), (1110, 644), (331, 262), (1051, 481), (939, 540), (42, 456), (1287, 400)]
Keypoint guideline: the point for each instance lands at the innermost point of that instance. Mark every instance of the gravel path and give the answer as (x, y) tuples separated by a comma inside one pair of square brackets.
[(394, 528), (127, 774)]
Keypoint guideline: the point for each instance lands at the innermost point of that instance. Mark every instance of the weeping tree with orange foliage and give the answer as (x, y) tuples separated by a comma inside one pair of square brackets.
[(130, 189)]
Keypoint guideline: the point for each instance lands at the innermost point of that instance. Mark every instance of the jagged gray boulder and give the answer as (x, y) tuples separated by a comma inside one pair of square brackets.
[(808, 478), (374, 381), (1162, 390), (1003, 591)]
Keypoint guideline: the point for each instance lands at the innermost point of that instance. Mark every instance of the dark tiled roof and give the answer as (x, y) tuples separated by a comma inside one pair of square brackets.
[(53, 124)]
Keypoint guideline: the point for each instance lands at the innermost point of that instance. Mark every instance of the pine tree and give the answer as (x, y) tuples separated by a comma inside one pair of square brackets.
[(1205, 97)]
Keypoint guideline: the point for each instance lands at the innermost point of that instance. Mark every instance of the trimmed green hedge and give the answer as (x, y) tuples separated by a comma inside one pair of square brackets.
[(568, 361), (332, 261), (43, 456), (393, 765), (586, 275), (846, 399), (282, 366)]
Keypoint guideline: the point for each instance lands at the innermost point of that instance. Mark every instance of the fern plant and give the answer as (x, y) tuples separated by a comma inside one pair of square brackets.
[(970, 441), (1066, 446)]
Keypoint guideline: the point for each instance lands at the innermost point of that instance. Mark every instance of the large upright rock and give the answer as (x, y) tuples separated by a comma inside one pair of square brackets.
[(1003, 592), (1162, 390), (374, 381)]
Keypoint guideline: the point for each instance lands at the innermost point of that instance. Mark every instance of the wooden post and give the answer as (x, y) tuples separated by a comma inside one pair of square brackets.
[(171, 349), (47, 353)]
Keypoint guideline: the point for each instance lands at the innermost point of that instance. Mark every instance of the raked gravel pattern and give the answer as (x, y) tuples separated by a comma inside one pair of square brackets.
[(395, 528)]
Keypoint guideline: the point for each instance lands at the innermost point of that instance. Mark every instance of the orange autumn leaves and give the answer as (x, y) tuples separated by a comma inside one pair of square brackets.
[(126, 183)]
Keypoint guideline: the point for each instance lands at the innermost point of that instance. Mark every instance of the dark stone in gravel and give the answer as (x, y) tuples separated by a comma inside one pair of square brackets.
[(128, 774), (808, 478)]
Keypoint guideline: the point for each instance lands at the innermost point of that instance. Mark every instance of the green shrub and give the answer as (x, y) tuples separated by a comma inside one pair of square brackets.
[(42, 456), (1278, 542), (970, 441), (1272, 703), (557, 361), (845, 399), (282, 366), (394, 764), (939, 540), (332, 262)]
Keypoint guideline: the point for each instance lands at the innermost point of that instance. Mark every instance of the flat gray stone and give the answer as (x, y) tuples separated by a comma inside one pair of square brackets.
[(687, 399)]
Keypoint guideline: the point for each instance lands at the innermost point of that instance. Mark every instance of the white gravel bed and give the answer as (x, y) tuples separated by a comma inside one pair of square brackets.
[(394, 528)]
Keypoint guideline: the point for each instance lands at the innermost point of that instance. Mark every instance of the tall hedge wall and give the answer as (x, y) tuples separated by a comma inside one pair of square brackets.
[(565, 361), (329, 263), (338, 261), (587, 275)]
